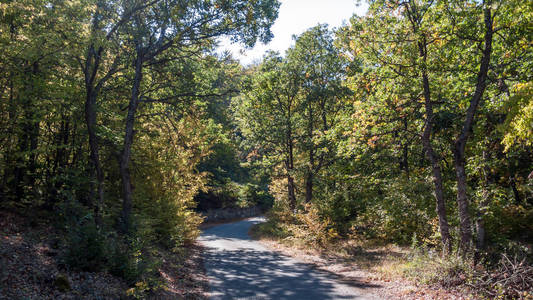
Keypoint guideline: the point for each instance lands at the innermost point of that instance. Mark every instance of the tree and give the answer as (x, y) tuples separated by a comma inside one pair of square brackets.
[(321, 69), (181, 26), (396, 35), (267, 115)]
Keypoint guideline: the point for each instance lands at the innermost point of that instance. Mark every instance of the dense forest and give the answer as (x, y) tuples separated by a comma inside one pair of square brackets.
[(411, 125)]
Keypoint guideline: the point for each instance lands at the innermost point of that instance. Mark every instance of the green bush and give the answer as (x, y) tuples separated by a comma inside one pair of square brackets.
[(399, 209), (86, 246), (94, 249)]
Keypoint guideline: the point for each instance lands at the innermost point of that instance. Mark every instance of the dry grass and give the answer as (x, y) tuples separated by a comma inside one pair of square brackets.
[(392, 269)]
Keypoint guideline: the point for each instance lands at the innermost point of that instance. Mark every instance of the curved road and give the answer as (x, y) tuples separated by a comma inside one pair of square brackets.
[(241, 268)]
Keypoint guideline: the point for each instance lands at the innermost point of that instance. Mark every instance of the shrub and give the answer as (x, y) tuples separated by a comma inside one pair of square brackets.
[(312, 229), (86, 246)]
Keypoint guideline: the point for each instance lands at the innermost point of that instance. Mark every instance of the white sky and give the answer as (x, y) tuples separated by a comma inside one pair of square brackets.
[(295, 16)]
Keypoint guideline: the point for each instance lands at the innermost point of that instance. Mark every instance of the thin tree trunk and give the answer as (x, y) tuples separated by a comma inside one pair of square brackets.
[(405, 155), (309, 177), (290, 190), (517, 198), (309, 187), (127, 197), (290, 179), (92, 89), (94, 157), (460, 142), (415, 20), (92, 63), (433, 158), (439, 194), (289, 162), (33, 129), (482, 211)]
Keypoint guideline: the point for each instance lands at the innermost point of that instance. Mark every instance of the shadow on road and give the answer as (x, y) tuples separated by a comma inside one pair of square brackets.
[(242, 269)]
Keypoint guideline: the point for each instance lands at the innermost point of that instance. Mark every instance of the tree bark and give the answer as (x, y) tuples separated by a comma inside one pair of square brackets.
[(290, 179), (460, 142), (127, 197), (291, 194), (94, 156), (405, 152), (90, 70), (512, 183), (309, 188), (415, 19), (482, 211), (310, 167)]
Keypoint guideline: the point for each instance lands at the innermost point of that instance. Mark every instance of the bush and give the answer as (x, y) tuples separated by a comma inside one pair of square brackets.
[(91, 249), (86, 246), (313, 229), (399, 209), (306, 227), (426, 266)]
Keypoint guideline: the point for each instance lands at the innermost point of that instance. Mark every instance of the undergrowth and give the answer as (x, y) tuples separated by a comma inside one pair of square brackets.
[(502, 274)]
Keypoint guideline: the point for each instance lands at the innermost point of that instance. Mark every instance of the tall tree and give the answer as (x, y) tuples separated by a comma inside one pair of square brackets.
[(321, 69), (267, 113), (183, 26), (396, 35)]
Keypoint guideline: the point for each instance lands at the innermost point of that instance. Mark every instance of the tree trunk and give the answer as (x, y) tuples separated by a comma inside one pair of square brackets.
[(405, 153), (127, 197), (92, 89), (290, 179), (482, 211), (462, 202), (517, 198), (94, 157), (291, 194), (460, 142), (33, 128), (309, 188), (289, 162), (310, 167), (432, 156)]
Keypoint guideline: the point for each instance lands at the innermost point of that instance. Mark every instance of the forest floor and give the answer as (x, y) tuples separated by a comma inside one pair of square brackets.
[(31, 268), (374, 266)]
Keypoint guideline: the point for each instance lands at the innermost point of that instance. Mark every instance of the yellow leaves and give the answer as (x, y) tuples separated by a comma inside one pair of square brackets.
[(518, 127), (519, 124), (372, 141)]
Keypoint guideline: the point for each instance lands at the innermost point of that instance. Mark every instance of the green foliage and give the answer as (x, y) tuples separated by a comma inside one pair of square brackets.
[(404, 208), (67, 81), (252, 194), (86, 246), (519, 122), (61, 283), (91, 249), (331, 129), (432, 269)]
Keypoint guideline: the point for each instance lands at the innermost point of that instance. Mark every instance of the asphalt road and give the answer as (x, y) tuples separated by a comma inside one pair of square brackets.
[(241, 268)]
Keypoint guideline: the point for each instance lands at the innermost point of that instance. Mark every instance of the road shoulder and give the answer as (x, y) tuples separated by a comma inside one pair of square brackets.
[(350, 272)]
